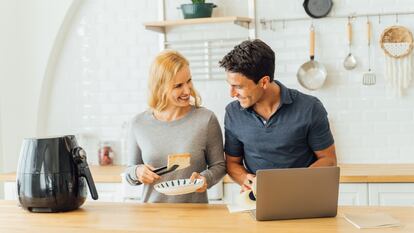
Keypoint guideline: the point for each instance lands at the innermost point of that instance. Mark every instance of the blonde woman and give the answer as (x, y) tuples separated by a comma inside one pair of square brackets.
[(175, 123)]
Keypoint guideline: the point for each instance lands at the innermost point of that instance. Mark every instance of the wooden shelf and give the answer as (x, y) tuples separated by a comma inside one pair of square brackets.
[(159, 26)]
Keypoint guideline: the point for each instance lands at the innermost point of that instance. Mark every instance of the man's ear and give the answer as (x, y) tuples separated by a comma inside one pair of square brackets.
[(265, 81)]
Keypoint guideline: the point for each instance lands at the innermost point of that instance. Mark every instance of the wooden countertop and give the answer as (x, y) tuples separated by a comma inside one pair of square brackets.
[(372, 173), (350, 173), (101, 174), (180, 218)]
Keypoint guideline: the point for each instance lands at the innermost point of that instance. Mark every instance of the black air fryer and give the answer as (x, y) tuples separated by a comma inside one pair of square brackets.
[(51, 175)]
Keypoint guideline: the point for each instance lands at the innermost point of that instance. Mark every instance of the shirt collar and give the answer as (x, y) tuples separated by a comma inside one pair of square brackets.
[(285, 93)]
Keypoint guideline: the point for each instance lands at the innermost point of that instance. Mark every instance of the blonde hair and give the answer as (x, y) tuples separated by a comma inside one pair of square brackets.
[(162, 72)]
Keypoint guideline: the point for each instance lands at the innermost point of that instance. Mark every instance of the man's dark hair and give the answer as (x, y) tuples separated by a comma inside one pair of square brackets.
[(254, 59)]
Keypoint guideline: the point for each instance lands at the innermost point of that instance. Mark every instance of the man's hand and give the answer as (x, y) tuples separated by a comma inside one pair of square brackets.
[(197, 175), (145, 174), (247, 183)]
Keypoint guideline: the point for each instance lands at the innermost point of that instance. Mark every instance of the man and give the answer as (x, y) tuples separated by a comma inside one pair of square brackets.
[(270, 125)]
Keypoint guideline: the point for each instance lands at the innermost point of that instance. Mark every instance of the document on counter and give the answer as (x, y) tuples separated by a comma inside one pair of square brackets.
[(242, 203), (372, 220), (237, 208)]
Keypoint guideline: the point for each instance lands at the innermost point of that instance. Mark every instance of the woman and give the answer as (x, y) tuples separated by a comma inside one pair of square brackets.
[(175, 123)]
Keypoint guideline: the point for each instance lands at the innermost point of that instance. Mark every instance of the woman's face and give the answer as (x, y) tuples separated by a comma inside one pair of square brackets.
[(179, 95)]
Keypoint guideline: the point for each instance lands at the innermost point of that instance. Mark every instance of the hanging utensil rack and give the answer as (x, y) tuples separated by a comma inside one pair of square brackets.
[(268, 23)]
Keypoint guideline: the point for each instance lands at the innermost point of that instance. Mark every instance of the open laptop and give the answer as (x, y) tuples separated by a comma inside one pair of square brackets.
[(295, 193)]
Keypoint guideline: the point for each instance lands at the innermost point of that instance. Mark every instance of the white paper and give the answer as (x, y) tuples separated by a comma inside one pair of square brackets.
[(372, 220), (237, 208), (242, 202)]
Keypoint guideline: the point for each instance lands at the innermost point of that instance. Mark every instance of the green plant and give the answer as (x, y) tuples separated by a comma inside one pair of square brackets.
[(198, 1)]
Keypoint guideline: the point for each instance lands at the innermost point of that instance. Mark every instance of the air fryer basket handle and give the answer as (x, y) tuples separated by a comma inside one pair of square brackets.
[(87, 174), (80, 159)]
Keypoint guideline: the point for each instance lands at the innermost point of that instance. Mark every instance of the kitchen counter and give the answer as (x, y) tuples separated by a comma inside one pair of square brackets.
[(127, 217), (372, 173), (101, 174), (350, 173)]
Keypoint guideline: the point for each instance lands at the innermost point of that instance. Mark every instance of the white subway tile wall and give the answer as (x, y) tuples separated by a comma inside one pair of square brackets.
[(101, 78)]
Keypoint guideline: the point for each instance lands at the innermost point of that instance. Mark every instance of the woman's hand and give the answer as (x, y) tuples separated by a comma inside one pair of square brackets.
[(197, 175), (145, 174)]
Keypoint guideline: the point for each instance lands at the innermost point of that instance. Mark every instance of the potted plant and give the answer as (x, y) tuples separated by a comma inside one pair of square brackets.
[(197, 9)]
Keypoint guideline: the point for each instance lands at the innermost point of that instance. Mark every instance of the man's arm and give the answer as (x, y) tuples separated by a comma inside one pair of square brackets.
[(325, 157), (236, 170)]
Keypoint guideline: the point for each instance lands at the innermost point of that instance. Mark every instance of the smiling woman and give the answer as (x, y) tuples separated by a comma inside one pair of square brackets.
[(170, 84), (175, 123)]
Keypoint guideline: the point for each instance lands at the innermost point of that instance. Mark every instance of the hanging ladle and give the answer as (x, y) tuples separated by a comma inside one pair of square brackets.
[(350, 61)]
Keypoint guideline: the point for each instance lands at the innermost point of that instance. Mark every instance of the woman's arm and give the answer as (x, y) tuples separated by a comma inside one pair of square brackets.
[(134, 157), (214, 153)]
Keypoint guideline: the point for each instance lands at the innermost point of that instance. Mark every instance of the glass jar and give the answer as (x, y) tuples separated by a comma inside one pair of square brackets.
[(105, 154)]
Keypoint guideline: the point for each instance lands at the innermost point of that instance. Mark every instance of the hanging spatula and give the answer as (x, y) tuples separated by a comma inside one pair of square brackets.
[(369, 77)]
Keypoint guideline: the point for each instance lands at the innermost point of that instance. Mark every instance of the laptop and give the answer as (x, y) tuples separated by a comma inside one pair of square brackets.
[(295, 193)]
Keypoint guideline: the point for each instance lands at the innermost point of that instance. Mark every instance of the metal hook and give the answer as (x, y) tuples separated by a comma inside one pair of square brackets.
[(272, 26), (351, 17), (396, 18), (379, 19), (263, 23), (284, 24)]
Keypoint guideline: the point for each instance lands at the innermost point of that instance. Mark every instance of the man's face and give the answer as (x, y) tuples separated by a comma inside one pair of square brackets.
[(245, 90)]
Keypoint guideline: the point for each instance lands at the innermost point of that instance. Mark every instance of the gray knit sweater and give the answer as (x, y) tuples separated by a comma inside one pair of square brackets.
[(150, 141)]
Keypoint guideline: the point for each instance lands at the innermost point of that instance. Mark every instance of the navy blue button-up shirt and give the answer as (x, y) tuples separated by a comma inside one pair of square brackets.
[(288, 139)]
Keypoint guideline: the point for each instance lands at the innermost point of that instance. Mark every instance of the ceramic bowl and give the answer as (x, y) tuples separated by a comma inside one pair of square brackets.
[(179, 186)]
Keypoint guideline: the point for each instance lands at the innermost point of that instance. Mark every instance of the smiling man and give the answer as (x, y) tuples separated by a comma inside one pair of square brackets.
[(270, 125)]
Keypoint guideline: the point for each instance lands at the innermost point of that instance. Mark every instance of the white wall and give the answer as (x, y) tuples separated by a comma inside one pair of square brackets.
[(370, 124), (29, 28), (100, 78), (102, 71), (8, 33)]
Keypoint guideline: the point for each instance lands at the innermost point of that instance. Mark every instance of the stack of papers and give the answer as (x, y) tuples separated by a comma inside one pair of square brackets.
[(373, 220)]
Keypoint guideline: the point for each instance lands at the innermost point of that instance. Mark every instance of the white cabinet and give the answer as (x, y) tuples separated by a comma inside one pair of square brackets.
[(391, 194), (215, 193), (354, 194), (108, 192), (349, 193), (10, 190), (118, 192), (231, 190), (131, 193)]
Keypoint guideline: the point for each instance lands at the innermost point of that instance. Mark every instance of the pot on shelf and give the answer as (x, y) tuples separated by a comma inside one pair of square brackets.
[(197, 10)]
